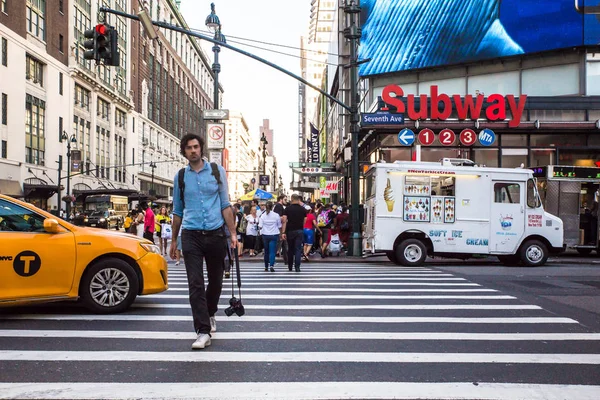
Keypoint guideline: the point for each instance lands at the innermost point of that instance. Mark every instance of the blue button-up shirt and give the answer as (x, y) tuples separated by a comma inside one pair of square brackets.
[(204, 199)]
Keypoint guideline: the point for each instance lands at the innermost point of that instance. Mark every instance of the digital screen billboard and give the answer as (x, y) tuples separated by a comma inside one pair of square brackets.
[(400, 35)]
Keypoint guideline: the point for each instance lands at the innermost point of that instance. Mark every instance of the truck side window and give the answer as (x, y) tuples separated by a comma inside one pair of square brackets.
[(508, 193), (533, 200)]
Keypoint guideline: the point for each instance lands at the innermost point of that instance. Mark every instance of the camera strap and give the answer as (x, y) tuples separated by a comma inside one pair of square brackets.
[(235, 259)]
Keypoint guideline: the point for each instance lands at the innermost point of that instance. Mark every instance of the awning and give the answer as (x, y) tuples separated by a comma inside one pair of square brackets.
[(11, 188), (39, 191)]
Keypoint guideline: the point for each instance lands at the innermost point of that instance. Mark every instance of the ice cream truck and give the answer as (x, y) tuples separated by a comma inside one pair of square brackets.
[(457, 209)]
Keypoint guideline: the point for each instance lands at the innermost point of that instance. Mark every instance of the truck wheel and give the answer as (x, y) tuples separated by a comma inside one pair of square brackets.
[(533, 253), (109, 286), (392, 257), (509, 260), (584, 252), (411, 252)]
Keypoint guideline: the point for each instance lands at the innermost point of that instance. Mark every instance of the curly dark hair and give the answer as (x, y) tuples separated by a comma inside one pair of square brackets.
[(189, 137)]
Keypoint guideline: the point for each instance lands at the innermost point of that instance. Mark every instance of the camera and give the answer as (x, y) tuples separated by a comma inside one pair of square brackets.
[(235, 307)]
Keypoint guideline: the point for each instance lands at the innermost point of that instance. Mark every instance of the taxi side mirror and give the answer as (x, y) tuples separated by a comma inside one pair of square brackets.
[(51, 225)]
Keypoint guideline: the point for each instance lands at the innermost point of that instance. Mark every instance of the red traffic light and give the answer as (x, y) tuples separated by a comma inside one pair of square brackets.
[(101, 29)]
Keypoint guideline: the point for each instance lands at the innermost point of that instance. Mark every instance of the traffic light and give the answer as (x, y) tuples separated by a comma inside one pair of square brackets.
[(102, 45), (90, 44)]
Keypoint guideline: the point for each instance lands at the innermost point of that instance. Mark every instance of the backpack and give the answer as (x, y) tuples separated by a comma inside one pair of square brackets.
[(180, 175), (323, 218), (243, 224), (345, 225)]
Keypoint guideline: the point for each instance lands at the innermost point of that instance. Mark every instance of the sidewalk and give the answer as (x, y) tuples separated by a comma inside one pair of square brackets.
[(569, 257)]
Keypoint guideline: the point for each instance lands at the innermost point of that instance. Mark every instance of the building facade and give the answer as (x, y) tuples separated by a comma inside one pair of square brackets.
[(122, 124), (36, 97), (241, 148), (172, 84)]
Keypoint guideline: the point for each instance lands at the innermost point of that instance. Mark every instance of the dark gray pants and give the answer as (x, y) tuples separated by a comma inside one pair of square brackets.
[(294, 242), (196, 248)]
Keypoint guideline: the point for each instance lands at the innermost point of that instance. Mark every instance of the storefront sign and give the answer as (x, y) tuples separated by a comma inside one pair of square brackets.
[(467, 107)]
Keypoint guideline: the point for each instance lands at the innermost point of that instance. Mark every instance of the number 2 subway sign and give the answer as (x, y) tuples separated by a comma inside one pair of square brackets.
[(466, 107)]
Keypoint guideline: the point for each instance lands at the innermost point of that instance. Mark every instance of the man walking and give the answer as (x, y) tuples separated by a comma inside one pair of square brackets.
[(294, 217), (148, 221), (282, 247), (201, 209)]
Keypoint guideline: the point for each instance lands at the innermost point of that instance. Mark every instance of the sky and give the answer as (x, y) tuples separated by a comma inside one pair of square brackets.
[(257, 90)]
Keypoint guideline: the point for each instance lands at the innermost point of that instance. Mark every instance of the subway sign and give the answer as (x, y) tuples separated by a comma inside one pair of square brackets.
[(467, 107)]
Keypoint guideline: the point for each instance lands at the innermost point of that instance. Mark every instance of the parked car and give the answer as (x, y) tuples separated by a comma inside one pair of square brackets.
[(106, 219), (44, 259)]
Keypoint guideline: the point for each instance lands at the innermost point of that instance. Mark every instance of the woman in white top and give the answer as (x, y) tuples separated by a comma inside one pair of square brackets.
[(270, 228), (251, 231)]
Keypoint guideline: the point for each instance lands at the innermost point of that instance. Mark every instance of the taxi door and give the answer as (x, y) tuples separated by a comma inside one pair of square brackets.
[(33, 263)]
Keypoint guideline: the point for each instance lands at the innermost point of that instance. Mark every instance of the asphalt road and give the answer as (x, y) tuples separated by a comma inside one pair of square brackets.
[(333, 331)]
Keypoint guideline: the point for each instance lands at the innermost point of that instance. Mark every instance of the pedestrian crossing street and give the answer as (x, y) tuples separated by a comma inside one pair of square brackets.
[(333, 331)]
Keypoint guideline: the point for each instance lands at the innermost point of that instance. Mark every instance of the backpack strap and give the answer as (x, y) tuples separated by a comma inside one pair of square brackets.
[(215, 172), (181, 182)]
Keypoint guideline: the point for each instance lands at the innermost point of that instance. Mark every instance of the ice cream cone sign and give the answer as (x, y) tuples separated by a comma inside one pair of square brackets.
[(388, 196)]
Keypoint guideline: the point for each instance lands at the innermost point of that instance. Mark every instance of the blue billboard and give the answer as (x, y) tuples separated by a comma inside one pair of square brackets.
[(400, 35)]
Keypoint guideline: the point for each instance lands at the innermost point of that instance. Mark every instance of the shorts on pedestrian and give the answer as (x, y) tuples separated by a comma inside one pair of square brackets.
[(309, 236), (158, 234), (326, 235)]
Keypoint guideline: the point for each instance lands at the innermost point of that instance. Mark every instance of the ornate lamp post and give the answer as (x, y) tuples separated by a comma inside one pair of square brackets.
[(214, 25), (263, 140)]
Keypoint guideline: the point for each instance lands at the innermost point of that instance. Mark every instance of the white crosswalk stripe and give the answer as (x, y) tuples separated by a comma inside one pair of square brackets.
[(331, 331)]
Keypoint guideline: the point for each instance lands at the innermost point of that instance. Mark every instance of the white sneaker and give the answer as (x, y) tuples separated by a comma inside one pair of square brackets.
[(202, 341), (213, 325), (177, 263)]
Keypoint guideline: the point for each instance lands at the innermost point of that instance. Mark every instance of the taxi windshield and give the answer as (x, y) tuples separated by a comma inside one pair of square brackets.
[(100, 214), (14, 218)]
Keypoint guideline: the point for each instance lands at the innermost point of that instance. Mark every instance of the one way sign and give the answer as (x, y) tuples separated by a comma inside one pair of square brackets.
[(406, 137), (216, 114)]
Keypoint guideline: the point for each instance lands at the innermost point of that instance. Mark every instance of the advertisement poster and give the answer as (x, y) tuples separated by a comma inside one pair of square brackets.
[(401, 35)]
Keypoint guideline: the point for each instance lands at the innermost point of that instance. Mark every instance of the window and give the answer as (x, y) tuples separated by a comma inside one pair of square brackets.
[(3, 6), (82, 97), (34, 71), (35, 116), (60, 128), (36, 18), (507, 193), (14, 218), (103, 109), (61, 43), (533, 199), (4, 149), (60, 83), (4, 52), (61, 6), (121, 118), (4, 109)]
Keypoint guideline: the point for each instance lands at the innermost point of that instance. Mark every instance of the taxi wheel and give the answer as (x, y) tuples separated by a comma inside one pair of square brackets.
[(109, 286)]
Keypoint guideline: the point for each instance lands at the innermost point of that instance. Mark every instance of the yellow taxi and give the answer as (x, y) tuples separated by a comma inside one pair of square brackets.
[(43, 258)]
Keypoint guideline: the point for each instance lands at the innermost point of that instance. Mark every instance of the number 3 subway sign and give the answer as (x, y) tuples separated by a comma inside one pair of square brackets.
[(466, 107)]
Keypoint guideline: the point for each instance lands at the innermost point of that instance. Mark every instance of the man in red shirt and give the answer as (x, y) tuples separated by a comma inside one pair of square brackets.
[(148, 222)]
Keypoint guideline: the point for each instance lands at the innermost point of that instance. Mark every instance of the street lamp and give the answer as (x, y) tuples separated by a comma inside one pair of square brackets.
[(214, 25), (263, 140), (274, 176), (72, 139), (152, 192)]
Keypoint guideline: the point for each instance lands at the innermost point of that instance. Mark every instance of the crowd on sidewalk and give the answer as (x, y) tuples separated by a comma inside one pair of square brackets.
[(261, 229)]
